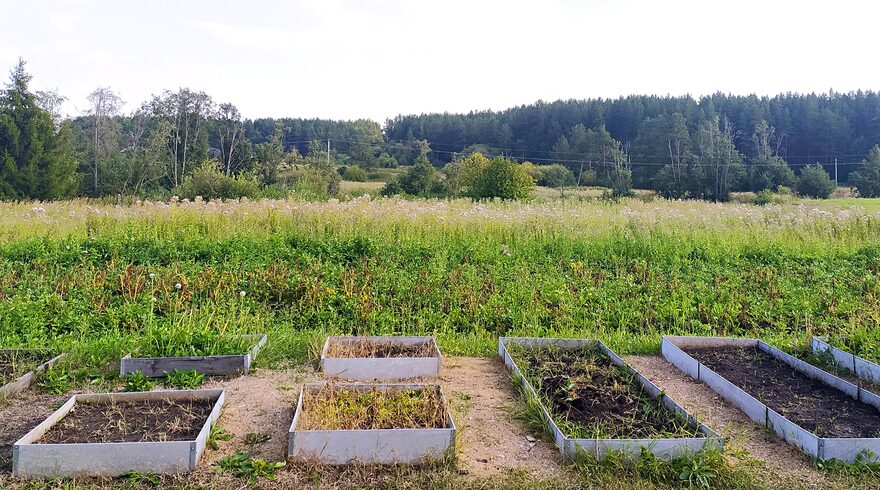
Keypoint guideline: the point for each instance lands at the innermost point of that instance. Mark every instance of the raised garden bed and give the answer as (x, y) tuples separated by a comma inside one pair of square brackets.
[(380, 358), (864, 370), (595, 403), (18, 367), (824, 415), (370, 424), (225, 365), (116, 433)]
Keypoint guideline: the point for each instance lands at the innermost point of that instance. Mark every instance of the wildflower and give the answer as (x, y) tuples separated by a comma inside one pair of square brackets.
[(505, 250), (154, 299), (178, 286), (152, 275), (68, 247), (242, 294)]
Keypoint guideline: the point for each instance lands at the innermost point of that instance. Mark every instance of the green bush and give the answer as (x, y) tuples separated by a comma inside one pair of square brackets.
[(354, 174), (814, 182), (481, 178), (208, 182), (554, 176), (765, 197), (387, 161), (309, 182)]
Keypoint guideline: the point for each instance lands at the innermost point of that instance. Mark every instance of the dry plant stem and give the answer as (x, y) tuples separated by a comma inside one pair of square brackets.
[(143, 421), (379, 349), (333, 408)]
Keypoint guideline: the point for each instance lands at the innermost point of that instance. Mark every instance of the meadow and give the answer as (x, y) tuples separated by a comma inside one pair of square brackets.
[(98, 280)]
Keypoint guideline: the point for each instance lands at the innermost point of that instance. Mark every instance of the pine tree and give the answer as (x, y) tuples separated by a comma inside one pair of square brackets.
[(37, 161)]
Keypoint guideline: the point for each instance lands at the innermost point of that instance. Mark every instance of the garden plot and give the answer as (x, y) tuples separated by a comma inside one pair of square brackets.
[(827, 417), (208, 365), (18, 366), (370, 424), (593, 402), (380, 358), (117, 433)]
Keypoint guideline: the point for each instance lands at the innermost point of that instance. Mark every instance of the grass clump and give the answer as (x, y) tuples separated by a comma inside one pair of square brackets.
[(333, 407), (15, 363)]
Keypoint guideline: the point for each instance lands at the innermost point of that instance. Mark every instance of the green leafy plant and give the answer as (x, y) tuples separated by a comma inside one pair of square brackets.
[(243, 465), (137, 478), (136, 381), (188, 379), (55, 380), (217, 434)]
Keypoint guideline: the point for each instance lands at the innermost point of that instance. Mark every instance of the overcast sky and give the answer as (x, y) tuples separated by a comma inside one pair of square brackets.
[(347, 59)]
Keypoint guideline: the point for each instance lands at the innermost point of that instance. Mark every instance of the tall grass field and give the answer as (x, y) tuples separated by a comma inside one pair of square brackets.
[(98, 281)]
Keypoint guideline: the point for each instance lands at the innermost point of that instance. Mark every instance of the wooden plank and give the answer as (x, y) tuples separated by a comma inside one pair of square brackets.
[(157, 367)]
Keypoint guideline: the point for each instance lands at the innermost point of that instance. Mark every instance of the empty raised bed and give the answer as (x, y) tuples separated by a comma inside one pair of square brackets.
[(827, 417), (595, 403), (18, 367), (208, 365), (380, 358), (116, 433), (370, 424)]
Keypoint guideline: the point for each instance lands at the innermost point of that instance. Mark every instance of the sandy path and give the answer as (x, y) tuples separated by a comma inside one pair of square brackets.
[(782, 464)]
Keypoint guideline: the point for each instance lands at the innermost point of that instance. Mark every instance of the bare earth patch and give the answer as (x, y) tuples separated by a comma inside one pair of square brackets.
[(780, 463), (490, 442), (20, 414)]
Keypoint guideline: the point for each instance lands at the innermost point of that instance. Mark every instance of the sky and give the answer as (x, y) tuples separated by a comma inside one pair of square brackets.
[(349, 59)]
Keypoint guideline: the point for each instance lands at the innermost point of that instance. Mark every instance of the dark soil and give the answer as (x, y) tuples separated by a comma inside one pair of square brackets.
[(16, 363), (180, 420), (597, 398), (818, 408), (379, 349)]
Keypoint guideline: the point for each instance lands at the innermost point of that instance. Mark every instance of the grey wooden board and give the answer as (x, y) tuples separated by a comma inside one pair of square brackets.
[(664, 448), (384, 446), (34, 460), (381, 369), (845, 449), (24, 381), (157, 367)]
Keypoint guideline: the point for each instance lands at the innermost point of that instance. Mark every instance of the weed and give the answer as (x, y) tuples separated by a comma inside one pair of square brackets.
[(54, 380), (136, 382), (243, 465), (188, 379), (136, 478), (254, 438), (217, 434)]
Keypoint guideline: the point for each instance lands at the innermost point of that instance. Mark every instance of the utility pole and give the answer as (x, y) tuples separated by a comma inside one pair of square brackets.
[(835, 170)]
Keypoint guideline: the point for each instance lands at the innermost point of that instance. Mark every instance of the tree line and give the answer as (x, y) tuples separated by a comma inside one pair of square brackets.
[(185, 142)]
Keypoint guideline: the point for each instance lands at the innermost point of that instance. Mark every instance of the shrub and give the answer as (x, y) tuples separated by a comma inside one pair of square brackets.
[(814, 182), (311, 182), (554, 176), (354, 174), (208, 182), (764, 197), (392, 189), (387, 161), (481, 178)]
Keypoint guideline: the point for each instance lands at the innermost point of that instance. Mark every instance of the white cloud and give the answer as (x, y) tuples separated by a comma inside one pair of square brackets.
[(64, 22)]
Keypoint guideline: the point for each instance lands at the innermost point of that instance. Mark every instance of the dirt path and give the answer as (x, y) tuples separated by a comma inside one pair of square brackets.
[(782, 464), (490, 441)]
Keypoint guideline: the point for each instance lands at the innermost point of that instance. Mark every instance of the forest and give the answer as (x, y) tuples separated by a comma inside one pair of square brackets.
[(681, 147)]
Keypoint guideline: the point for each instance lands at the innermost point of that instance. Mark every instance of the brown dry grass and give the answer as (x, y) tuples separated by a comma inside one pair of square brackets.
[(333, 407), (369, 348)]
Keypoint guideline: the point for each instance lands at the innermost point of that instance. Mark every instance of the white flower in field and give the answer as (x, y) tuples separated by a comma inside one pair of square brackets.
[(505, 250), (152, 275), (154, 299), (242, 294), (68, 247), (178, 286)]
